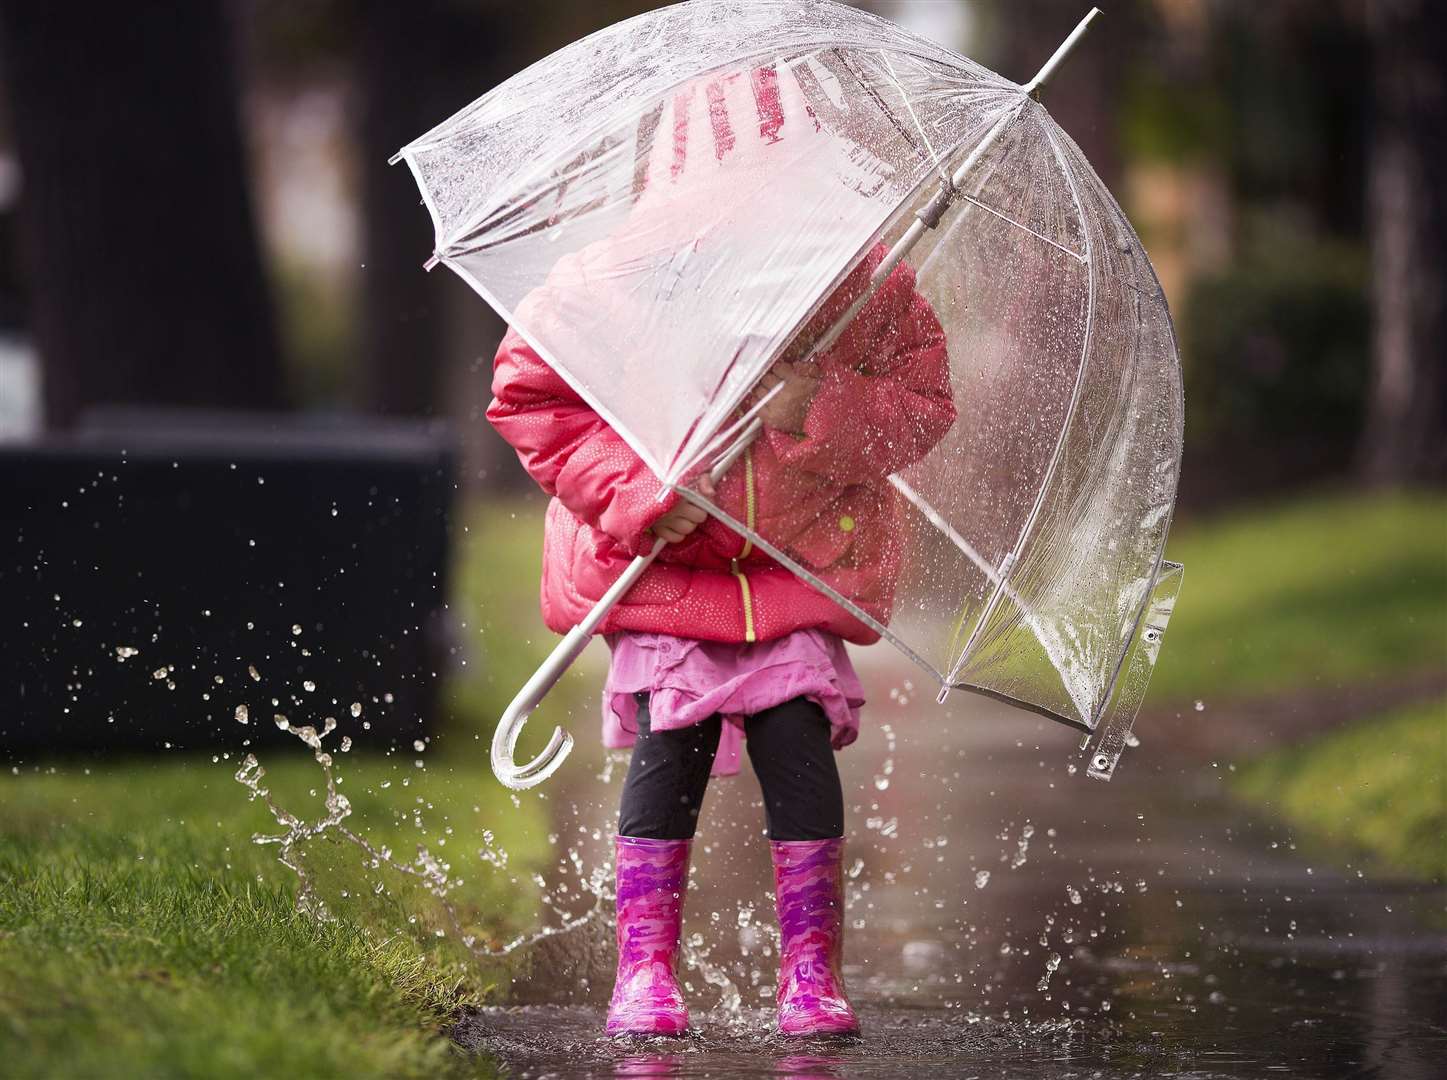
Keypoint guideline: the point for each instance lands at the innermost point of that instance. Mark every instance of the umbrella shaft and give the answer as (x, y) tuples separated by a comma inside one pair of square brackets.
[(926, 218)]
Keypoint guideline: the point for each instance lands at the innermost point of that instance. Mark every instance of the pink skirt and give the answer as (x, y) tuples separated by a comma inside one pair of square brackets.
[(688, 681)]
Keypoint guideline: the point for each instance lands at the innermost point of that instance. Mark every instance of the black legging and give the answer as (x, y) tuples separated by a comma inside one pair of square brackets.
[(791, 754)]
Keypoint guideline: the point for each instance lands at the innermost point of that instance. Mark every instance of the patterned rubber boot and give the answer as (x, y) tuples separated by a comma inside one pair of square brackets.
[(652, 877), (809, 892)]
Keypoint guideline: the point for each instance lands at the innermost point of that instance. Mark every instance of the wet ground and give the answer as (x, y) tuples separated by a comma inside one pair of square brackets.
[(1009, 917)]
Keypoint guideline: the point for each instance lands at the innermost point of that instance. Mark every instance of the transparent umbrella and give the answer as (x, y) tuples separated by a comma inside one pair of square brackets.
[(668, 207)]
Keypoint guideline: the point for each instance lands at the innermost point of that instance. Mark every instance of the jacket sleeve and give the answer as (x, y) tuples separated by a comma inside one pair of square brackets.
[(884, 399), (569, 450)]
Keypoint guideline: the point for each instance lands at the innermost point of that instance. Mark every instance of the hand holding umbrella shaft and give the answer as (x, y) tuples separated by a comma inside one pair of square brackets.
[(676, 525), (788, 408)]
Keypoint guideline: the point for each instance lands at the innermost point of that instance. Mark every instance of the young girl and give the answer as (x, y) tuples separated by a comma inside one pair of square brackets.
[(718, 641)]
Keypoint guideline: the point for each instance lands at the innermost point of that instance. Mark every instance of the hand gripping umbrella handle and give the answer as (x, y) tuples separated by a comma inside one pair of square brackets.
[(504, 739)]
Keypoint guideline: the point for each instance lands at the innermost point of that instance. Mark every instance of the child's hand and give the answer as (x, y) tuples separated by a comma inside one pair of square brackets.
[(675, 525), (787, 409)]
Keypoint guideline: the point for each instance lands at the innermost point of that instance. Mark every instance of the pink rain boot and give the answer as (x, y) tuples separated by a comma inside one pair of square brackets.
[(809, 892), (652, 876)]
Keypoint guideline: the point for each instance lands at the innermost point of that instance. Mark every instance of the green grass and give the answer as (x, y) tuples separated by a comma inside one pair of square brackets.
[(1308, 596), (143, 934), (1313, 594), (1380, 786)]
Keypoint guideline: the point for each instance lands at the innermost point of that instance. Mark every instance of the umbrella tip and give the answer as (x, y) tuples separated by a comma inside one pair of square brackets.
[(1032, 88), (431, 263), (395, 158)]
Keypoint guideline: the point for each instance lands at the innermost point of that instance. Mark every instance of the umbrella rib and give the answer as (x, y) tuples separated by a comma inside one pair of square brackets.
[(810, 579), (933, 516), (1024, 228), (869, 89), (734, 431), (914, 118), (888, 113), (1076, 392)]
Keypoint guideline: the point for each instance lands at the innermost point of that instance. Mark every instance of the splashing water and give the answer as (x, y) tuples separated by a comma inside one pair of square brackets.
[(897, 869), (886, 768), (436, 875), (431, 872), (1022, 847), (1052, 962)]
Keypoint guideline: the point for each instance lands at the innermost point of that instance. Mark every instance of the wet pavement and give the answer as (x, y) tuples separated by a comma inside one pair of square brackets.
[(1009, 917)]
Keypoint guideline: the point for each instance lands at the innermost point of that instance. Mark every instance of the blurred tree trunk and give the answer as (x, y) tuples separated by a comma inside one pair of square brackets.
[(418, 63), (145, 277), (1083, 96), (1405, 439)]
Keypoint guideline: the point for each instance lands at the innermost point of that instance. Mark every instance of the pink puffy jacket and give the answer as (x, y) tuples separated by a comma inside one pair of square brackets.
[(883, 401)]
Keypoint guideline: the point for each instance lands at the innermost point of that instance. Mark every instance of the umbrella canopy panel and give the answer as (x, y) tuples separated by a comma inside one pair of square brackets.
[(1091, 552), (658, 207), (662, 208), (1010, 544)]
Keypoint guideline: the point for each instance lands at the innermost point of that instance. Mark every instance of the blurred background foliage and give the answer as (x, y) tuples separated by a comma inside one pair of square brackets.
[(206, 218), (1245, 141)]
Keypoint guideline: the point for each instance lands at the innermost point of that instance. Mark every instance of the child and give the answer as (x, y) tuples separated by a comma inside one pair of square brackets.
[(718, 639)]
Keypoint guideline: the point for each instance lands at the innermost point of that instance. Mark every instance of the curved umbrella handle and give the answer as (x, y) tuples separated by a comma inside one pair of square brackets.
[(504, 739)]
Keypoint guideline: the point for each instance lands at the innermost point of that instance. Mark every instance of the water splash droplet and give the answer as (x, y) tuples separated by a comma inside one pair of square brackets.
[(1051, 963)]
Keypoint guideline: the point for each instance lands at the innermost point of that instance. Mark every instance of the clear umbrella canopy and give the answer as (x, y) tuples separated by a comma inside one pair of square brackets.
[(662, 208)]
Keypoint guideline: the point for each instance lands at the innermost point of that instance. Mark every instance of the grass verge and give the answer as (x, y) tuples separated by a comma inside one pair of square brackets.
[(1380, 786), (1316, 593), (143, 934)]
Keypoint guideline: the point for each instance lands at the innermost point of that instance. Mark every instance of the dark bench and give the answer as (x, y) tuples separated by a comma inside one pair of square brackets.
[(210, 544)]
